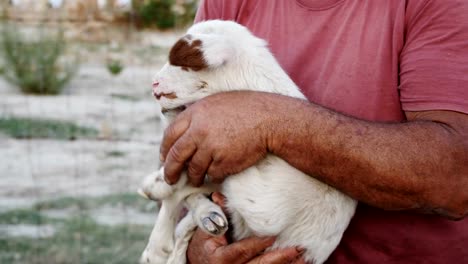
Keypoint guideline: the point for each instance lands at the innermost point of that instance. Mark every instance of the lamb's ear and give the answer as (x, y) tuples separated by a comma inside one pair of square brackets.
[(201, 51)]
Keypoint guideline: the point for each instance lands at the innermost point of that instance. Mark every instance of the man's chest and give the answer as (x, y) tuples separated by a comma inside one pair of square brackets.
[(344, 58)]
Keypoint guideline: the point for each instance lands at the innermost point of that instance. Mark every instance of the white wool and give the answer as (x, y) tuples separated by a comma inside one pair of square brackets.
[(271, 198)]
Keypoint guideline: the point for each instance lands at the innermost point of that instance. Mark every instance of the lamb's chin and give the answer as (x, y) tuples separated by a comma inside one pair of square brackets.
[(175, 110)]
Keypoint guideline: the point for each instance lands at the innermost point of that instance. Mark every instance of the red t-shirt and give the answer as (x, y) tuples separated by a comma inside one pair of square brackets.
[(372, 59)]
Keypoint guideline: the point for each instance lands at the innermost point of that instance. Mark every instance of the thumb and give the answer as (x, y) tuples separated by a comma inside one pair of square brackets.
[(211, 243)]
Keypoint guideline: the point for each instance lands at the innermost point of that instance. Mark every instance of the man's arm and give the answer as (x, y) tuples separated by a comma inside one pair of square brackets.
[(421, 164)]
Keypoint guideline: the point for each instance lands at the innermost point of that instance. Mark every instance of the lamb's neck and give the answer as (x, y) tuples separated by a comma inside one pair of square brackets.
[(264, 75)]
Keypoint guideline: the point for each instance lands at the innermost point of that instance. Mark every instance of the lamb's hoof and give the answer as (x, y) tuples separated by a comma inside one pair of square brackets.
[(143, 194), (155, 188), (215, 224)]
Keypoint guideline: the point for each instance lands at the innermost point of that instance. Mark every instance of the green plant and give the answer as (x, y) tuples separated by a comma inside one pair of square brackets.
[(21, 216), (42, 128), (164, 14), (115, 154), (131, 200), (157, 12), (125, 97), (115, 67), (36, 65)]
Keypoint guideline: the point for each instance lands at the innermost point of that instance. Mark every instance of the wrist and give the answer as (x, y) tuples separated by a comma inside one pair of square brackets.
[(288, 125)]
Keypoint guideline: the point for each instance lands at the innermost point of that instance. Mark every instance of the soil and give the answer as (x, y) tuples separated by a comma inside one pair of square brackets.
[(120, 107)]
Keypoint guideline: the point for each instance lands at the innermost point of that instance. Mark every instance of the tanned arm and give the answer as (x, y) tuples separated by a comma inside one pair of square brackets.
[(420, 164)]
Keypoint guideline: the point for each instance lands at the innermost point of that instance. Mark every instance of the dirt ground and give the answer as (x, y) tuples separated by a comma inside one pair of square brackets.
[(105, 170)]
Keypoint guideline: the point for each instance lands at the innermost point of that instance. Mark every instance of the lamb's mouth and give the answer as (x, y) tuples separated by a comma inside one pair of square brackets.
[(176, 110)]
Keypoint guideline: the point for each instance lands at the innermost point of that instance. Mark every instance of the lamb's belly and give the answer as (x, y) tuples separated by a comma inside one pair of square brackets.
[(273, 197)]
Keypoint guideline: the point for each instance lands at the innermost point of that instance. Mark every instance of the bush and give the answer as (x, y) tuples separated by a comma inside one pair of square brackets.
[(42, 128), (36, 66), (164, 14), (115, 67)]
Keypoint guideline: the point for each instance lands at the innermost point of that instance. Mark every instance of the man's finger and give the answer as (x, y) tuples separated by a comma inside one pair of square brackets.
[(198, 166), (246, 249), (218, 198), (181, 151), (172, 133), (279, 256)]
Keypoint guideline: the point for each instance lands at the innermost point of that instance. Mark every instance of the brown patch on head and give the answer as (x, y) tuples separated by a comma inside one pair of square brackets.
[(187, 54)]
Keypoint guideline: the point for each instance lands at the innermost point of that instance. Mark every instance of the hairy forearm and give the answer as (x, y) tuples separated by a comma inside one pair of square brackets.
[(420, 165)]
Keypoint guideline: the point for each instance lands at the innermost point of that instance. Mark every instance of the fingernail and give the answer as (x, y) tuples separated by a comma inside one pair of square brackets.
[(161, 157)]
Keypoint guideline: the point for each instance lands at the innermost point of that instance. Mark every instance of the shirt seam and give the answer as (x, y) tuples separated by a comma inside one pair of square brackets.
[(300, 4)]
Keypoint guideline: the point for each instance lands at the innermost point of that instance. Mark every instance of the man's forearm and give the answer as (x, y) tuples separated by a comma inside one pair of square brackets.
[(414, 165)]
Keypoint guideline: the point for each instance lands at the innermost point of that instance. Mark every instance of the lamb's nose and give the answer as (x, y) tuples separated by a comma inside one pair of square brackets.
[(155, 87)]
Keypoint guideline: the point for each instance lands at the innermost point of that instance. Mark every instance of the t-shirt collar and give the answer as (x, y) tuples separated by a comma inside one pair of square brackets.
[(318, 4)]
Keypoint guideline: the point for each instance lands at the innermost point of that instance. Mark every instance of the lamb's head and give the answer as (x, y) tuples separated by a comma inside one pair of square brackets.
[(213, 56)]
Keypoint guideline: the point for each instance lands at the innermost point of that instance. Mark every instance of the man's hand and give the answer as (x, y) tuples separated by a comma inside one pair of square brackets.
[(205, 249), (220, 135)]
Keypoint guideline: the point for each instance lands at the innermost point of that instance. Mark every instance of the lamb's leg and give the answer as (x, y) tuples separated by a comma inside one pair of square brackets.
[(161, 241), (184, 232), (203, 212), (208, 215)]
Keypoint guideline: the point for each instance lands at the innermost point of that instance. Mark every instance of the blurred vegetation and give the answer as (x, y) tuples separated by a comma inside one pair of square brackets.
[(115, 67), (130, 200), (125, 97), (116, 154), (164, 14), (78, 239), (37, 65), (21, 216), (43, 128)]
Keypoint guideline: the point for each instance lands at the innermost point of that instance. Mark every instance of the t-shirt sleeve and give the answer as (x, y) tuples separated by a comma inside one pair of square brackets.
[(218, 9), (434, 59)]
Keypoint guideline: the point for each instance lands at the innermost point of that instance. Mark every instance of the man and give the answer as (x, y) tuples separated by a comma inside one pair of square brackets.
[(387, 123)]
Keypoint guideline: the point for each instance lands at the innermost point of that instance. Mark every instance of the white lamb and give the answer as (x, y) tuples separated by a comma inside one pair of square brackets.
[(271, 198)]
